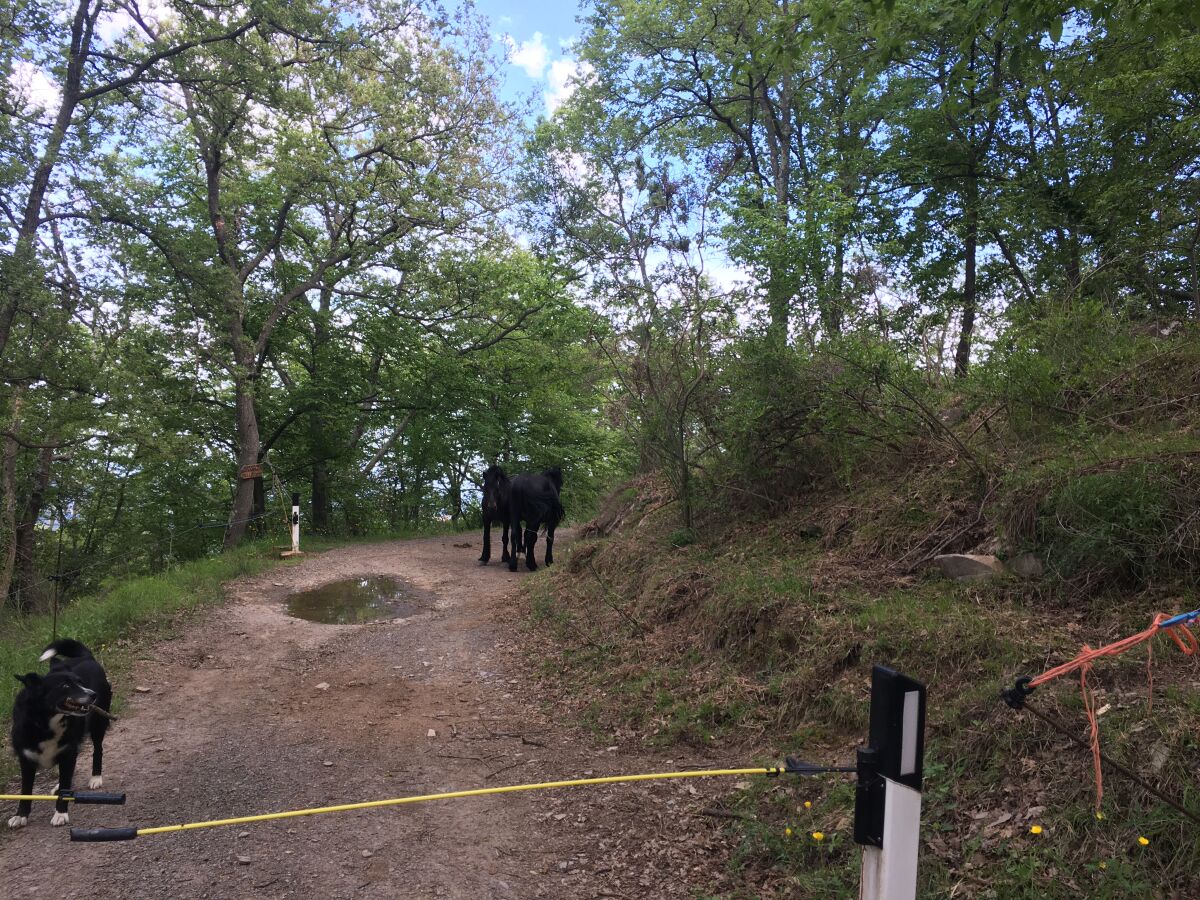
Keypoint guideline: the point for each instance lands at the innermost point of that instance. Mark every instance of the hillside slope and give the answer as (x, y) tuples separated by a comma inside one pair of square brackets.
[(754, 637)]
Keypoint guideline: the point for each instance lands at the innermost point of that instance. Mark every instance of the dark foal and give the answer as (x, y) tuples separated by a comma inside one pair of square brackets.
[(534, 500), (496, 491)]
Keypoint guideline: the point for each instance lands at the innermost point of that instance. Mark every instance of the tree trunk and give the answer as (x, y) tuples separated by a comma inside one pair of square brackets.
[(455, 499), (8, 495), (831, 309), (685, 484), (321, 504), (248, 447), (27, 527), (962, 358), (386, 446), (24, 253), (779, 302), (322, 509), (1074, 267)]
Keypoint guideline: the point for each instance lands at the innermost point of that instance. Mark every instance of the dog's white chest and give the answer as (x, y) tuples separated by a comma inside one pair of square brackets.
[(48, 749)]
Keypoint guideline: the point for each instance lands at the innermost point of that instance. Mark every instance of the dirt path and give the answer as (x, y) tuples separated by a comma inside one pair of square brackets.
[(234, 724)]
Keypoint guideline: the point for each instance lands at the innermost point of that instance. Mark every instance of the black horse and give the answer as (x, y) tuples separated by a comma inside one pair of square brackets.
[(496, 491), (534, 500)]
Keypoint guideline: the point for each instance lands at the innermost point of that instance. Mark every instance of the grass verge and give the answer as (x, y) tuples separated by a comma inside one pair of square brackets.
[(759, 644)]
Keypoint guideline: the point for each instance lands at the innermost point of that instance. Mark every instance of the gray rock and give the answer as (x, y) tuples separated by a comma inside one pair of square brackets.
[(1027, 565), (968, 566)]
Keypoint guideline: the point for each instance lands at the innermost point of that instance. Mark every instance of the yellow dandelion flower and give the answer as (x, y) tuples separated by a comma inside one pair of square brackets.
[(1099, 817), (1103, 865), (787, 832), (1144, 841), (1036, 829), (808, 804), (818, 835)]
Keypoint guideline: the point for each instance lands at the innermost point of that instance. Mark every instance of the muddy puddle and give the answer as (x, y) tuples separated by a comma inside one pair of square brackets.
[(356, 600)]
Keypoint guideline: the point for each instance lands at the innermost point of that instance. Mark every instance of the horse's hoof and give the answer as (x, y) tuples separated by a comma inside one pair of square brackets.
[(533, 567), (483, 562)]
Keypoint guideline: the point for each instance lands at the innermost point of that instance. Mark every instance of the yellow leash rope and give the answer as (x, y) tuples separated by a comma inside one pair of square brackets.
[(108, 834), (452, 795)]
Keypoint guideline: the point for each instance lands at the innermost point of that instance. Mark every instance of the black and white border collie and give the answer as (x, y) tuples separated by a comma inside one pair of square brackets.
[(51, 714)]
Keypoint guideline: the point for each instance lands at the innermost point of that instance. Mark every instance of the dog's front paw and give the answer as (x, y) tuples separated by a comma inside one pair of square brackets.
[(18, 821), (60, 819), (96, 783)]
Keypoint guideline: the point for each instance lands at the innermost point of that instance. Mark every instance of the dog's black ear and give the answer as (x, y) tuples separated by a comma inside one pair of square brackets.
[(31, 679)]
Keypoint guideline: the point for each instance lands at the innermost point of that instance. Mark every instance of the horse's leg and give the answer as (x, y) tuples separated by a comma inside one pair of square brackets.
[(549, 543), (487, 540), (530, 542), (504, 543), (514, 530)]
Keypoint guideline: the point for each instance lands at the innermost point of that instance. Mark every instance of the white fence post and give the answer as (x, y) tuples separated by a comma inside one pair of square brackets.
[(295, 523), (887, 806)]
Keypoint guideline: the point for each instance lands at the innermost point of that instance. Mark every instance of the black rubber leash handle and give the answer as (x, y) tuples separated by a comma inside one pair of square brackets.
[(91, 835)]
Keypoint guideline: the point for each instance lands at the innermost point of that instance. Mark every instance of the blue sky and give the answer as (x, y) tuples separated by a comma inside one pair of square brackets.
[(539, 35)]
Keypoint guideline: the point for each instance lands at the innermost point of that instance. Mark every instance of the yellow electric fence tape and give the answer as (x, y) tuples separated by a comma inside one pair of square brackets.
[(125, 834)]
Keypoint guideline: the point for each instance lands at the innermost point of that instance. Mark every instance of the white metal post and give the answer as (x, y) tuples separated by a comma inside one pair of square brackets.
[(887, 813), (890, 872), (295, 523)]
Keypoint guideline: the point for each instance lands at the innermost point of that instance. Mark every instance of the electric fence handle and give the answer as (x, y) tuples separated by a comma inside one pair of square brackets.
[(92, 835), (96, 798)]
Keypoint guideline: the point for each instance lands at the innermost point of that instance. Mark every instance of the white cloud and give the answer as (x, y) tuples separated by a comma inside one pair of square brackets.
[(115, 23), (562, 76), (34, 86), (727, 275), (565, 76), (531, 55), (572, 167)]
